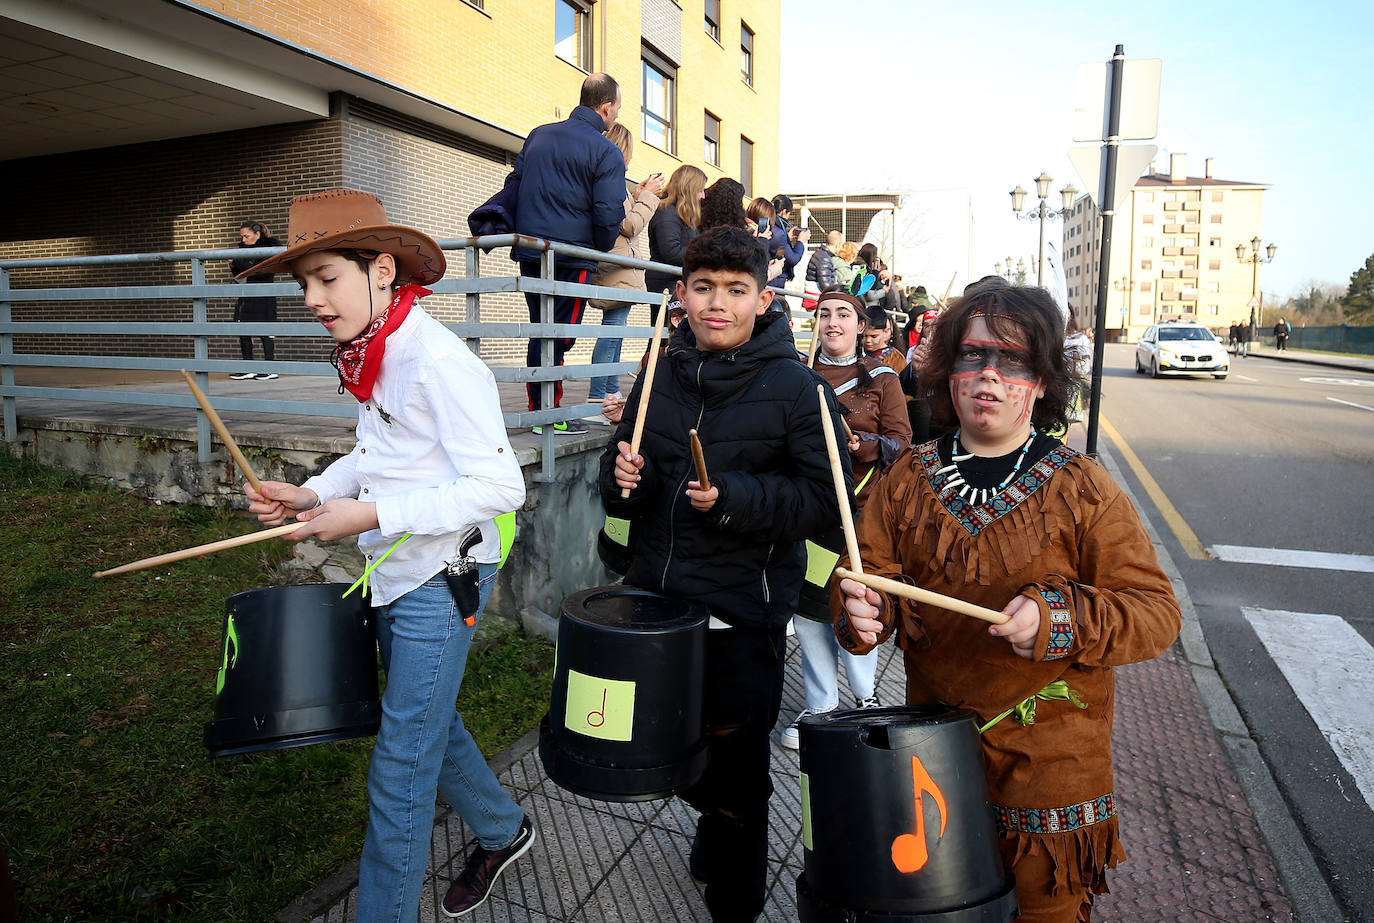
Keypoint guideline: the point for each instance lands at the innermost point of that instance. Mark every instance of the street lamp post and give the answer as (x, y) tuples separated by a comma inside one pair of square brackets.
[(1042, 213), (1125, 285), (1254, 259)]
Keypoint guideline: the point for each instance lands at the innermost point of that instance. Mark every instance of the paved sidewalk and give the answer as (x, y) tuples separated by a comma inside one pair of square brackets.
[(1195, 849), (1349, 362)]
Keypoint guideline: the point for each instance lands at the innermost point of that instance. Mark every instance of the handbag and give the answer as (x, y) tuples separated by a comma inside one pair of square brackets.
[(497, 214)]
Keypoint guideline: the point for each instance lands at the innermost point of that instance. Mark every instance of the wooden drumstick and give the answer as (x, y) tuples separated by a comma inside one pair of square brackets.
[(837, 475), (897, 588), (700, 459), (200, 550), (815, 342), (644, 391), (848, 433), (223, 432)]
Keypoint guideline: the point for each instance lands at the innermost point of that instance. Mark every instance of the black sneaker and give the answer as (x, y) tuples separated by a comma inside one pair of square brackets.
[(870, 701), (266, 376), (241, 376), (471, 889), (568, 428)]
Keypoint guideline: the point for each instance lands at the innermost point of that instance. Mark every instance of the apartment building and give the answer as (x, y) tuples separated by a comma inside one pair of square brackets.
[(1173, 251), (157, 125)]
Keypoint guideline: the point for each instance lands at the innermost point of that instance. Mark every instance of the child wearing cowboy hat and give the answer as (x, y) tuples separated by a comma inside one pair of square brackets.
[(431, 470)]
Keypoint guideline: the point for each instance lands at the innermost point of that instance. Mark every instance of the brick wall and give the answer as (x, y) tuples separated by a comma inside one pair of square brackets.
[(192, 193)]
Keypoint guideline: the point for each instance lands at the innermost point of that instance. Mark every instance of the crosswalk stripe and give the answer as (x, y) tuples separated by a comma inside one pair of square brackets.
[(1290, 557), (1331, 670)]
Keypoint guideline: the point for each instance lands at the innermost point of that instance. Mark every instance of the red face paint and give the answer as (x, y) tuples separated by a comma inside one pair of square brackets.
[(993, 389)]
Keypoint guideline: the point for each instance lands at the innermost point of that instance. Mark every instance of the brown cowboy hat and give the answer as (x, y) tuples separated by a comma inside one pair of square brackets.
[(345, 219)]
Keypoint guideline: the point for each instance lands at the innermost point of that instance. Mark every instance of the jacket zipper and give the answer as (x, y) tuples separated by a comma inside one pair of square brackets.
[(672, 509), (767, 597)]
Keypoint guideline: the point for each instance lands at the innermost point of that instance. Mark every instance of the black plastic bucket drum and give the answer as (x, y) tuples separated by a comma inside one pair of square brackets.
[(896, 821), (299, 667), (625, 718)]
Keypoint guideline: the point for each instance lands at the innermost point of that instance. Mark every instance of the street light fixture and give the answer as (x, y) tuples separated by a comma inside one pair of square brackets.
[(1254, 259), (1042, 213)]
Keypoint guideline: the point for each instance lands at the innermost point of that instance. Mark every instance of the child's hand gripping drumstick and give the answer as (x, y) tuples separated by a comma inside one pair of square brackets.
[(644, 391)]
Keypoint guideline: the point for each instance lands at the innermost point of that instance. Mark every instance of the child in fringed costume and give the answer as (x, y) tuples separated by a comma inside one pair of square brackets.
[(1001, 515)]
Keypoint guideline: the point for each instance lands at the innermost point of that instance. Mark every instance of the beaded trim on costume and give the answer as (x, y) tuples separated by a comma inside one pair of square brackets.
[(974, 517), (1055, 820), (1061, 624)]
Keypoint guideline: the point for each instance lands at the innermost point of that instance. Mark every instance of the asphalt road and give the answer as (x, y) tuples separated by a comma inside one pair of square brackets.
[(1254, 474)]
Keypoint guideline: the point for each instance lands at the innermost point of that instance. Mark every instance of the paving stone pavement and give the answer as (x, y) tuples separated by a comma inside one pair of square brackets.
[(1195, 852)]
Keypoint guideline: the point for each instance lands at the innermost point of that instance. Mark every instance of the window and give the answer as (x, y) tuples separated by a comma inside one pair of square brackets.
[(1147, 219), (713, 19), (1168, 241), (1171, 196), (572, 32), (1146, 264), (1216, 197), (712, 153), (1214, 264), (1147, 241), (659, 105), (1213, 286), (1216, 219), (746, 54), (1146, 285), (1147, 197), (1211, 309), (746, 165), (1214, 241)]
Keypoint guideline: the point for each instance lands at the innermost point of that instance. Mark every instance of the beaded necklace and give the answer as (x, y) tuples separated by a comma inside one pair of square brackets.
[(977, 495)]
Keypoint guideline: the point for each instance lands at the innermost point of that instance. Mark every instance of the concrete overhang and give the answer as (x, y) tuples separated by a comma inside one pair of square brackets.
[(77, 76)]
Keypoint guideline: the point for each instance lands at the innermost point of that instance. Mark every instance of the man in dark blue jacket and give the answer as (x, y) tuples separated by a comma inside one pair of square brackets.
[(572, 189)]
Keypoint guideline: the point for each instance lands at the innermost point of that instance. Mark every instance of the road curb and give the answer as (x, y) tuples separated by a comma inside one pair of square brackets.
[(1305, 360), (1302, 880)]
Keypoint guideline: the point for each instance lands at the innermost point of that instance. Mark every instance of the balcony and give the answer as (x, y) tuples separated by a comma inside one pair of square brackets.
[(1173, 206), (1173, 229), (1168, 296), (1190, 251), (1171, 274), (1173, 251)]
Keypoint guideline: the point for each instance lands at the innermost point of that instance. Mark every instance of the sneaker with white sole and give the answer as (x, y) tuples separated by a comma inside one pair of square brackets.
[(471, 889), (567, 428), (868, 701), (266, 376), (241, 376), (791, 735)]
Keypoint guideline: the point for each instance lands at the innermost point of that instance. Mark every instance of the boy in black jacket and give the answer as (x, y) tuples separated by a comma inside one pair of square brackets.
[(738, 547)]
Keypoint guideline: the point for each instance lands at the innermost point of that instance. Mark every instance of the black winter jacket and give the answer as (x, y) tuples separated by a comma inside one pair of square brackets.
[(668, 240), (572, 187), (821, 269), (756, 412)]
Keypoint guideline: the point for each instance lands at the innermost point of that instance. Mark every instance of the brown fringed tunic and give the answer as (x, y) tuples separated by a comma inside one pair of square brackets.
[(1064, 534)]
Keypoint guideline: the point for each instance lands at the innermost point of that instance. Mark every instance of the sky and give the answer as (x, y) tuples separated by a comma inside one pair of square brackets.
[(978, 96)]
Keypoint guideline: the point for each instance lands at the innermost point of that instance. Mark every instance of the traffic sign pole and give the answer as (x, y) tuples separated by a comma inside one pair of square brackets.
[(1108, 206)]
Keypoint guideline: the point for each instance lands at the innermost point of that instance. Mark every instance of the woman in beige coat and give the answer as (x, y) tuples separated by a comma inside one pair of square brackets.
[(639, 208)]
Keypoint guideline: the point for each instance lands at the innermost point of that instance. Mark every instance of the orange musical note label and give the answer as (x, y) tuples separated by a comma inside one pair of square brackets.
[(598, 707), (910, 851)]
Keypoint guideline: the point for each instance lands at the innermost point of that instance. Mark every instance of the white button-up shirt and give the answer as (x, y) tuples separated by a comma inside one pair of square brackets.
[(433, 455)]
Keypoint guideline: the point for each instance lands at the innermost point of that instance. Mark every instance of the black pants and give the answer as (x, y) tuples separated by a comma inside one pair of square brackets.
[(566, 310), (256, 309), (743, 695)]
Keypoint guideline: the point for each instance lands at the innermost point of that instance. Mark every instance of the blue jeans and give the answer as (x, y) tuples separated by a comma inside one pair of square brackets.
[(607, 349), (820, 670), (422, 746)]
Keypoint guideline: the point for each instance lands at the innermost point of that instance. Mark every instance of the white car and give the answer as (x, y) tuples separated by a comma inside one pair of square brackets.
[(1181, 349)]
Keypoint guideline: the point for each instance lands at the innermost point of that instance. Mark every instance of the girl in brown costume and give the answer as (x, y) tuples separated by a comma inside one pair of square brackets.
[(1001, 515)]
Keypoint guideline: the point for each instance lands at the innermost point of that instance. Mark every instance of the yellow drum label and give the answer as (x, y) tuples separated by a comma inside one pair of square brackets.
[(618, 531), (820, 564), (806, 810), (603, 708)]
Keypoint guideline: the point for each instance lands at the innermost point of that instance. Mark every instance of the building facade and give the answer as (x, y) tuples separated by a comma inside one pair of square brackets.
[(1173, 252), (157, 125)]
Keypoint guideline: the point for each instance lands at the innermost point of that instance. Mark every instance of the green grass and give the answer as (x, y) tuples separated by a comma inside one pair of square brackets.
[(110, 808)]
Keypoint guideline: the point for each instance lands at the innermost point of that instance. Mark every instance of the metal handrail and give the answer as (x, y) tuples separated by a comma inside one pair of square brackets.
[(472, 285)]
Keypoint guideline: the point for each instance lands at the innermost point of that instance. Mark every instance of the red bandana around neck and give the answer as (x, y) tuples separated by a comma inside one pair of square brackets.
[(360, 359)]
